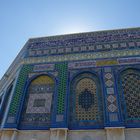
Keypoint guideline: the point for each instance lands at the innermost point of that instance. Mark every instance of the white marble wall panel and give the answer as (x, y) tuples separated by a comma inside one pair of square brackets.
[(87, 135), (132, 134), (33, 135)]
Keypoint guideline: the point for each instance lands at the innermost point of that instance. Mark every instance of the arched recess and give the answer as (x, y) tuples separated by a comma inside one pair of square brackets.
[(37, 107), (4, 101), (86, 104), (129, 89)]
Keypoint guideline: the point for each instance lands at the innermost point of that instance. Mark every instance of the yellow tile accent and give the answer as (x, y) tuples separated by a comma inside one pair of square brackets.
[(43, 80), (106, 62)]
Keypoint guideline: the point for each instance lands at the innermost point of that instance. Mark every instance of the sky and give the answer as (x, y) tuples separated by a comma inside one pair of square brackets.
[(24, 19)]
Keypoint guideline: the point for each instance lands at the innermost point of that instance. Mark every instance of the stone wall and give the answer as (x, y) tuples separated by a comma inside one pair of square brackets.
[(33, 135), (64, 134), (87, 135), (132, 134)]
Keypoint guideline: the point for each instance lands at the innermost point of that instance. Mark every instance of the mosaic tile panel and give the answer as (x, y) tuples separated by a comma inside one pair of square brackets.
[(84, 56), (94, 63), (110, 90), (130, 83), (62, 85), (43, 67), (82, 64), (94, 41), (129, 60), (84, 101), (38, 103), (106, 62), (113, 117), (112, 108), (19, 91), (111, 97)]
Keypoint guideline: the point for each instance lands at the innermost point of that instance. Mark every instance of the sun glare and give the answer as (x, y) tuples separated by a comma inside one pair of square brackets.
[(73, 28)]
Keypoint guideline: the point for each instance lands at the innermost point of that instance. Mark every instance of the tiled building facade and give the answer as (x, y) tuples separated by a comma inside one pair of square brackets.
[(74, 87)]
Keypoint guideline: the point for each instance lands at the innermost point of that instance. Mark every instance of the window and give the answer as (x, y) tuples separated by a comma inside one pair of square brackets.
[(85, 101), (130, 94)]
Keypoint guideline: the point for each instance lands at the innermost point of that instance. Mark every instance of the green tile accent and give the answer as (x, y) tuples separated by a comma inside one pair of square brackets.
[(19, 89), (62, 84)]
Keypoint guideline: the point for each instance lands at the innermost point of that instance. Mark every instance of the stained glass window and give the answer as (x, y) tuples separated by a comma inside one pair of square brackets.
[(86, 100), (130, 95)]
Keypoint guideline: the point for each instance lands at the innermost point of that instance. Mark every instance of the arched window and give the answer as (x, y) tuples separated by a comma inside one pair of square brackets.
[(38, 102), (85, 101), (130, 95)]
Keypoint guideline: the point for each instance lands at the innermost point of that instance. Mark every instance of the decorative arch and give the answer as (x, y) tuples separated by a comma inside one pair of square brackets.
[(5, 100), (38, 102), (129, 84), (86, 106)]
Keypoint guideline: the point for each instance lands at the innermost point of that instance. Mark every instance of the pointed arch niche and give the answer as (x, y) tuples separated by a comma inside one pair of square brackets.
[(86, 106), (4, 101), (129, 84), (38, 102)]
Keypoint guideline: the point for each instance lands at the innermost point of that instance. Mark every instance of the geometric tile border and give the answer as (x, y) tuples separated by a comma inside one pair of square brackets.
[(111, 97)]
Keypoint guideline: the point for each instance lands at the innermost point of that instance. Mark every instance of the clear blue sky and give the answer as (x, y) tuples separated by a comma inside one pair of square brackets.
[(23, 19)]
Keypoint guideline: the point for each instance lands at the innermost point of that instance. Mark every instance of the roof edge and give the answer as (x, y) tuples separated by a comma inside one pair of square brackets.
[(80, 33)]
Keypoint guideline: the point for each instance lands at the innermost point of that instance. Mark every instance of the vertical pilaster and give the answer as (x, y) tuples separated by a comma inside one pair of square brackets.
[(0, 134), (17, 99), (14, 135), (115, 133), (8, 135), (60, 119), (7, 100), (58, 134), (112, 110)]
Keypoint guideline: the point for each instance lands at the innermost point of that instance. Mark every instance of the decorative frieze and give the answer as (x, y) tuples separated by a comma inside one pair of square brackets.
[(95, 48), (43, 67), (85, 39), (86, 56), (81, 64), (129, 60)]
